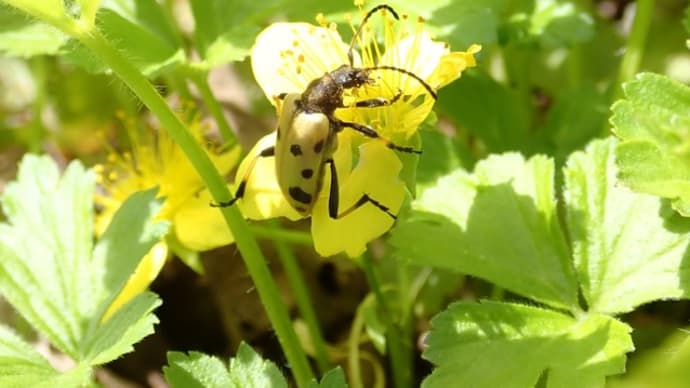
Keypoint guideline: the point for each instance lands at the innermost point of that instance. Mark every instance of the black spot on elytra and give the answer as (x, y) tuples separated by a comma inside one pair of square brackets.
[(307, 173), (318, 146), (296, 150), (300, 195)]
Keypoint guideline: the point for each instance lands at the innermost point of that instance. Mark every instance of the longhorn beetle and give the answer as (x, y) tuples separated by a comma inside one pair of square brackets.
[(307, 134)]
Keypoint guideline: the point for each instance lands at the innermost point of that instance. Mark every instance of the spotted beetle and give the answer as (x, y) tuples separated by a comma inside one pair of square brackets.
[(307, 134)]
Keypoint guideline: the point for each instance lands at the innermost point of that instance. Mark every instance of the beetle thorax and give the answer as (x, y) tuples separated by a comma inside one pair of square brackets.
[(325, 94)]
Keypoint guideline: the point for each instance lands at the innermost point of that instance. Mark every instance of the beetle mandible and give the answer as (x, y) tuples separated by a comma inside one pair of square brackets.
[(307, 134)]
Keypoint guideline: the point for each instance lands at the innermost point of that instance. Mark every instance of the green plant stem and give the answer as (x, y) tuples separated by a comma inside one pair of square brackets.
[(304, 303), (630, 64), (285, 235), (246, 243), (200, 79), (405, 330), (395, 334), (354, 369)]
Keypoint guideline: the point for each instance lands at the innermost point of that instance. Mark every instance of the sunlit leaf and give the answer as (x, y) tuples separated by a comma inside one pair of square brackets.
[(247, 369), (334, 378), (654, 154), (629, 248), (493, 344), (50, 272), (20, 363), (500, 225), (22, 36)]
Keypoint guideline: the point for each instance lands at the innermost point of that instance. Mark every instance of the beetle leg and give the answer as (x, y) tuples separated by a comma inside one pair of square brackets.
[(239, 193), (334, 198), (370, 132), (376, 102)]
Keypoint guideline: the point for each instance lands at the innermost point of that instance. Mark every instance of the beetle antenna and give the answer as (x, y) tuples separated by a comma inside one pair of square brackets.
[(407, 72), (387, 7)]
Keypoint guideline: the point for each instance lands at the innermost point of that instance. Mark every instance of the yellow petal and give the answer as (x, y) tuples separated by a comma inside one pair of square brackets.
[(262, 197), (200, 227), (146, 272), (417, 53), (376, 174), (453, 64), (287, 56)]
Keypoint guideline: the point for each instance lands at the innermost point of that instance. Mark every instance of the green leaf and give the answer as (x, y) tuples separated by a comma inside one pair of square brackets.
[(52, 276), (225, 30), (493, 344), (47, 10), (575, 119), (125, 242), (467, 100), (461, 22), (550, 23), (127, 326), (654, 154), (334, 378), (441, 155), (196, 370), (501, 225), (17, 28), (20, 363), (46, 247), (629, 248), (141, 30), (560, 24), (247, 369)]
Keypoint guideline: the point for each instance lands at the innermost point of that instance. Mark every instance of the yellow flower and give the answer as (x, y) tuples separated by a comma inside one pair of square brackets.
[(288, 56), (155, 160)]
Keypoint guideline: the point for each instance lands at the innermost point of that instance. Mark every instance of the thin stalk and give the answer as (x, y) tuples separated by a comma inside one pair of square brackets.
[(395, 335), (354, 369), (403, 337), (200, 79), (246, 243), (630, 64), (304, 303), (294, 237)]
